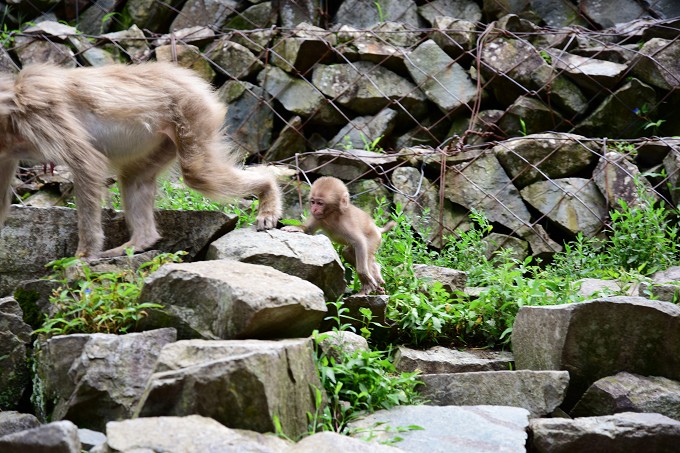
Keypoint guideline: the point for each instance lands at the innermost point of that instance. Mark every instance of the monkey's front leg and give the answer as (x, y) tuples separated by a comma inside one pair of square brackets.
[(88, 193), (7, 170)]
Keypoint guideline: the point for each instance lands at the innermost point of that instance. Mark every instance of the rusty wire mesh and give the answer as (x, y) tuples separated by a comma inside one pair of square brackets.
[(449, 140)]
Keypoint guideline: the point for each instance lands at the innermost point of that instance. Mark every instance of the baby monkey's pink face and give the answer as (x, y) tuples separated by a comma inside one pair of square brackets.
[(318, 207)]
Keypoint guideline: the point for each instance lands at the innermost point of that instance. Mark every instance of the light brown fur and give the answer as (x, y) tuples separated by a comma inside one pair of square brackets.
[(344, 223), (134, 120)]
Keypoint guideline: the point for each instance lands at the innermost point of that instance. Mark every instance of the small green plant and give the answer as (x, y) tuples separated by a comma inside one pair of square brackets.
[(546, 57), (356, 382), (522, 127), (105, 302), (177, 196), (381, 16)]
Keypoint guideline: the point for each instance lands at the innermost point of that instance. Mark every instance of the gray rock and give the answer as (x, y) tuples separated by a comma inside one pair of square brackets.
[(190, 434), (617, 178), (300, 53), (291, 141), (590, 73), (607, 14), (131, 43), (477, 428), (90, 379), (294, 12), (298, 96), (620, 433), (419, 199), (665, 285), (558, 13), (559, 91), (545, 156), (460, 9), (443, 81), (594, 287), (198, 35), (361, 14), (15, 336), (147, 15), (249, 119), (575, 204), (614, 118), (217, 300), (599, 338), (207, 13), (362, 45), (510, 63), (527, 115), (233, 59), (310, 257), (439, 359), (330, 442), (187, 56), (368, 194), (455, 36), (90, 439), (32, 51), (346, 164), (55, 437), (656, 65), (367, 88), (626, 392), (365, 131), (13, 422), (253, 17), (539, 392), (452, 280), (337, 343), (497, 242), (482, 184), (241, 384), (32, 237)]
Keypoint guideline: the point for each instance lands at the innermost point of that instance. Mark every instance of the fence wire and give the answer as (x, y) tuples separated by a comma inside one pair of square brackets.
[(365, 103)]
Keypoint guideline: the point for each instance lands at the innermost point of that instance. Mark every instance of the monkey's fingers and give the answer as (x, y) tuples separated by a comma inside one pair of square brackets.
[(292, 229), (266, 222)]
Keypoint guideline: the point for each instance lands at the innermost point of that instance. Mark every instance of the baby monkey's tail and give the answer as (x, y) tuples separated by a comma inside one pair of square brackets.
[(388, 226)]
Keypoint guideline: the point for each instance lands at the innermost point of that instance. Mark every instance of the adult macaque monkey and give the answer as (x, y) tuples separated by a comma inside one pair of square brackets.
[(134, 120), (348, 225)]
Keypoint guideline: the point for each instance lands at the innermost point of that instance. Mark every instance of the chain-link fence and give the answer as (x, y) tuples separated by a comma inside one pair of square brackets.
[(442, 107)]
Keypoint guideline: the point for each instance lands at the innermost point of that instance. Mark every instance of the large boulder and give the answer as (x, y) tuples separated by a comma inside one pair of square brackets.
[(620, 433), (539, 392), (477, 428), (91, 379), (226, 299), (627, 392), (190, 434), (241, 384), (595, 339), (32, 237), (15, 336), (439, 359), (55, 437), (310, 257)]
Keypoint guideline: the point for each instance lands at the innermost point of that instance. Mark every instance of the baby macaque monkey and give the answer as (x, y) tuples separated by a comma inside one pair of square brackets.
[(130, 119), (348, 225)]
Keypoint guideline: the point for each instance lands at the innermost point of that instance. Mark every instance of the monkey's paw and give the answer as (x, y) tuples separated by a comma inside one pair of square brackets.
[(292, 229), (266, 222)]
